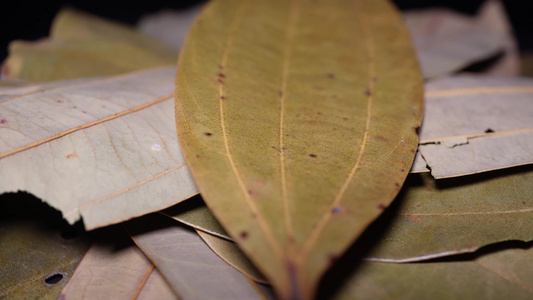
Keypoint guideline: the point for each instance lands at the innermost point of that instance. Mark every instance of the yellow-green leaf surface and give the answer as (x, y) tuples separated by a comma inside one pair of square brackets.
[(82, 45), (104, 149), (115, 267), (298, 120), (501, 275), (36, 249), (187, 263), (228, 251), (476, 124)]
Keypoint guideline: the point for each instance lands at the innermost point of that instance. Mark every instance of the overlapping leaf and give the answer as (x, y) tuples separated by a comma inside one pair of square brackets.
[(501, 275), (82, 45), (38, 254), (230, 253), (432, 218), (476, 124), (446, 41), (115, 266), (491, 275), (105, 149), (190, 267), (298, 134)]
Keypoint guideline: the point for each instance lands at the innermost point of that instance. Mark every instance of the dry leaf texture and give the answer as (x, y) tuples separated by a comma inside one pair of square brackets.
[(187, 263), (298, 133), (475, 124), (82, 45), (115, 266), (105, 149)]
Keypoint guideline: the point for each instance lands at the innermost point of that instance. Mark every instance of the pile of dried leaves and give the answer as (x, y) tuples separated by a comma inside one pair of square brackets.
[(301, 124)]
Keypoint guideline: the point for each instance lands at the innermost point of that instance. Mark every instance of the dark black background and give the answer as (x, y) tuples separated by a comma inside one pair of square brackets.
[(31, 20)]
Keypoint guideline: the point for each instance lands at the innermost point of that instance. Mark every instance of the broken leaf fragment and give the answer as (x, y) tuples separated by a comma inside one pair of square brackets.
[(38, 252), (82, 45), (101, 149), (297, 133), (477, 124)]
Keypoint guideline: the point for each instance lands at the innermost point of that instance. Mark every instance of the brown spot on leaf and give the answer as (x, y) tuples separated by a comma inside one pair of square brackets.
[(413, 151), (330, 75), (414, 218), (250, 192), (402, 170), (222, 97), (243, 235), (221, 75), (382, 206), (336, 210), (312, 155), (345, 119), (417, 130), (319, 113), (208, 133), (368, 93), (59, 101), (280, 93), (72, 155)]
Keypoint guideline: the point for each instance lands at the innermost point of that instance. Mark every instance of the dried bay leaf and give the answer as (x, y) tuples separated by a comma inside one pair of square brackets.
[(431, 218), (458, 215), (297, 133), (82, 45), (494, 17), (446, 41), (187, 263), (476, 124), (38, 253), (501, 275), (115, 266), (194, 213), (111, 141)]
